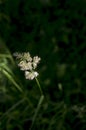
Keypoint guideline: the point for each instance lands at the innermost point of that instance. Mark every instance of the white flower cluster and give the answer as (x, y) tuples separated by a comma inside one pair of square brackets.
[(28, 64)]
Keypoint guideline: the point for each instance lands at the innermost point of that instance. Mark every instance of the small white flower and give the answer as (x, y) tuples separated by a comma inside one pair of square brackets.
[(18, 55), (34, 65), (29, 66), (21, 63), (36, 59), (27, 56), (25, 65), (30, 75)]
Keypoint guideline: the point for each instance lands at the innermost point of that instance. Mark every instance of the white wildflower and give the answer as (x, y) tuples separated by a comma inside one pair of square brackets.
[(36, 59), (27, 56), (34, 65), (28, 64), (18, 55), (21, 64), (25, 65), (30, 75)]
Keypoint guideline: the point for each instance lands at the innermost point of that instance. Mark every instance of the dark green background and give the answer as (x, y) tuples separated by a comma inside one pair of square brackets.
[(55, 30)]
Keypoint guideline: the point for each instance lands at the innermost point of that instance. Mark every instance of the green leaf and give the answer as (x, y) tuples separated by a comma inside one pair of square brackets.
[(9, 76)]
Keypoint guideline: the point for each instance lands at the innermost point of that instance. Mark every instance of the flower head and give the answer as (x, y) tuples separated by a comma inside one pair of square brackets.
[(27, 56), (25, 65), (28, 64), (18, 55), (36, 60), (31, 75)]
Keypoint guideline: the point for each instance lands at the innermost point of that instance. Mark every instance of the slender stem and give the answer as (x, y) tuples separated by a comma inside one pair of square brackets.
[(39, 103), (39, 86), (37, 109)]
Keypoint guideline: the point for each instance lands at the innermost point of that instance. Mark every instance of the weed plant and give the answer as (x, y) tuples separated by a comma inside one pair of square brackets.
[(55, 31)]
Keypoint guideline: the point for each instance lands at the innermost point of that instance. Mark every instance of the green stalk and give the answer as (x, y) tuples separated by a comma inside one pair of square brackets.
[(39, 103), (39, 85), (37, 109)]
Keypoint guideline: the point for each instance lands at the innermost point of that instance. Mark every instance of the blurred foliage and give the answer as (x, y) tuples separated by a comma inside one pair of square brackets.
[(55, 31)]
